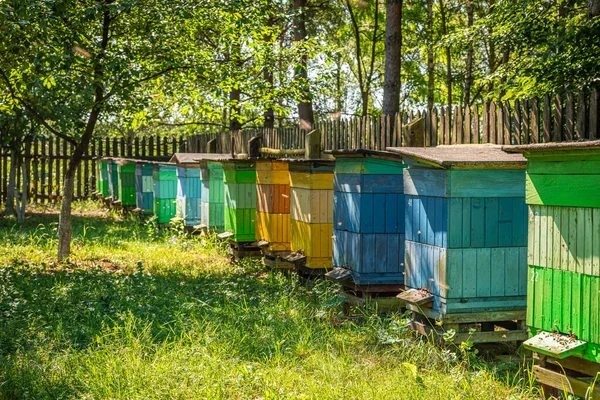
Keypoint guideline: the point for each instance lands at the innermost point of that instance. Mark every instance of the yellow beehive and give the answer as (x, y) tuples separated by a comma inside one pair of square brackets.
[(311, 211), (273, 204)]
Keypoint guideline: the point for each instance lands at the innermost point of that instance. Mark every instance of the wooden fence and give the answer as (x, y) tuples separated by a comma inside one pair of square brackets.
[(564, 117)]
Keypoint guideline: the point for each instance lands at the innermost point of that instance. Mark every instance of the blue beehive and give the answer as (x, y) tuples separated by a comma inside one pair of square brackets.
[(144, 187), (368, 215), (188, 187), (466, 227), (113, 179)]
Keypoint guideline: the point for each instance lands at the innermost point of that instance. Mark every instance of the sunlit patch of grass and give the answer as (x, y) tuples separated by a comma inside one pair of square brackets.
[(152, 313)]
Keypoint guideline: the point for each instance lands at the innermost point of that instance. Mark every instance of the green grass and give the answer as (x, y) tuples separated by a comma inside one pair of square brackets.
[(142, 313)]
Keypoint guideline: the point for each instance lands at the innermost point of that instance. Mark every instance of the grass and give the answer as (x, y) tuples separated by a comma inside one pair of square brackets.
[(146, 313)]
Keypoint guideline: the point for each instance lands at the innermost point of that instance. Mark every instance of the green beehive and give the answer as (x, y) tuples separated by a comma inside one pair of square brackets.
[(164, 178), (102, 181), (113, 179), (126, 173), (239, 182), (563, 293), (214, 215)]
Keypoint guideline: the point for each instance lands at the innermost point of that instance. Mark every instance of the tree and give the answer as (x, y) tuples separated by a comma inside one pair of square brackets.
[(305, 109), (393, 57), (71, 63)]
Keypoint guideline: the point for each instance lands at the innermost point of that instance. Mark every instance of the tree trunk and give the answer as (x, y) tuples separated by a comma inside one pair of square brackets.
[(430, 64), (593, 8), (469, 62), (12, 191), (444, 23), (393, 57), (305, 108), (269, 114), (22, 204)]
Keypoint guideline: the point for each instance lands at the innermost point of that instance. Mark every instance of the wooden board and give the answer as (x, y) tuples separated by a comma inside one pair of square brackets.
[(468, 275), (564, 190), (240, 195), (565, 302), (275, 229), (464, 183), (273, 198), (565, 383), (356, 183), (469, 222), (307, 180), (369, 212), (565, 238), (372, 258), (311, 206), (241, 221), (313, 239), (368, 165), (555, 344)]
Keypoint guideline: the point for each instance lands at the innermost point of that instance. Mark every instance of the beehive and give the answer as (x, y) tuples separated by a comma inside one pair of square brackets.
[(126, 173), (188, 187), (164, 179), (368, 215), (466, 233), (563, 194), (239, 188), (213, 214), (113, 179), (102, 178), (273, 204), (311, 211), (144, 187)]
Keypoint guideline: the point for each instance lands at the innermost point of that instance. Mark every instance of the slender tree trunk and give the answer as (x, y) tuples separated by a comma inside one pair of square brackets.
[(444, 22), (305, 108), (269, 114), (22, 204), (359, 69), (492, 52), (65, 228), (430, 64), (393, 57), (12, 192), (469, 62), (593, 8)]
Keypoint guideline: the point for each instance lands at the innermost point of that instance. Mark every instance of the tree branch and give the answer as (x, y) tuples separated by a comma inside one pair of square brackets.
[(33, 112)]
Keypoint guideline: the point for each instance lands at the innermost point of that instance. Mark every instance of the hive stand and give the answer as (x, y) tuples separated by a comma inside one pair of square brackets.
[(368, 229), (563, 294), (466, 242)]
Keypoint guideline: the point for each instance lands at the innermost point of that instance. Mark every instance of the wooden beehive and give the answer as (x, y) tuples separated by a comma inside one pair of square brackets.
[(102, 178), (211, 201), (126, 179), (311, 211), (188, 187), (164, 179), (144, 187), (273, 204), (368, 216), (239, 188), (563, 294), (466, 233), (113, 179), (214, 215)]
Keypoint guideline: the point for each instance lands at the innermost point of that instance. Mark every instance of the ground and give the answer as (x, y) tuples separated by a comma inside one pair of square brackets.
[(145, 313)]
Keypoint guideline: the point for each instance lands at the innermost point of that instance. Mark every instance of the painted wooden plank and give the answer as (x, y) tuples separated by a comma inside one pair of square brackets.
[(582, 165), (564, 190), (483, 272), (486, 183), (307, 180), (426, 182)]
